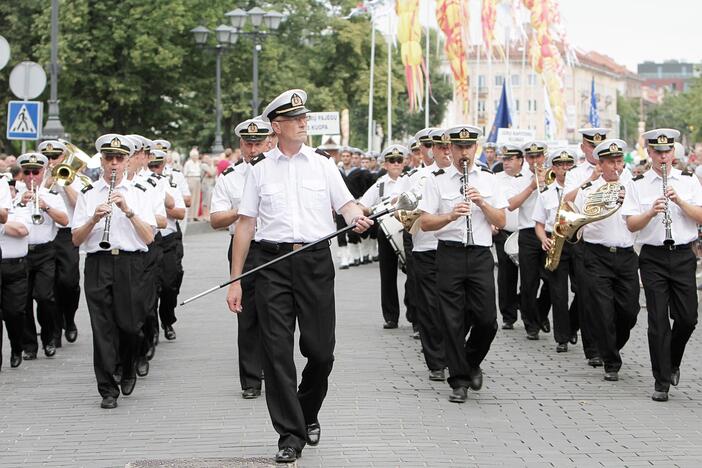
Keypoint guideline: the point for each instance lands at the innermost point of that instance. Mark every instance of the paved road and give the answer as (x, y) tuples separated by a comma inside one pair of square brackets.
[(536, 408)]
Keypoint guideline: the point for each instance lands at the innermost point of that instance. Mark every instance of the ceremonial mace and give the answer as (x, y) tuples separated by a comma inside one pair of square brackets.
[(405, 201)]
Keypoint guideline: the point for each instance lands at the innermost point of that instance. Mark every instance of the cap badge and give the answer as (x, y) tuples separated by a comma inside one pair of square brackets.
[(534, 148), (445, 137), (565, 155), (253, 128), (613, 148), (663, 139), (505, 150), (32, 159), (115, 143), (597, 138), (296, 100), (159, 146), (395, 152), (49, 147), (464, 134)]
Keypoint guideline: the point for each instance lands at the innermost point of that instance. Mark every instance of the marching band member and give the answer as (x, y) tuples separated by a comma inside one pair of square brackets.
[(465, 278), (173, 174), (48, 213), (667, 227), (254, 139), (560, 162), (114, 281), (424, 140), (387, 186), (611, 264), (291, 192), (491, 161), (67, 286), (507, 271)]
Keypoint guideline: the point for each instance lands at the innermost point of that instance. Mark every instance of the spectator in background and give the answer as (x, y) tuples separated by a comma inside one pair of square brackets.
[(209, 173), (237, 156), (193, 174), (226, 161), (10, 160)]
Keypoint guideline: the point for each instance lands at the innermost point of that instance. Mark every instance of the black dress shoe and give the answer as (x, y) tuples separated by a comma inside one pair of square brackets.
[(127, 385), (150, 352), (142, 366), (169, 333), (250, 393), (476, 379), (109, 402), (508, 326), (659, 396), (72, 334), (562, 348), (574, 338), (533, 335), (49, 350), (437, 375), (314, 432), (675, 377), (117, 374), (366, 260), (459, 395), (29, 355), (546, 326), (344, 267), (595, 362), (611, 376), (286, 455), (390, 325), (15, 359), (376, 258)]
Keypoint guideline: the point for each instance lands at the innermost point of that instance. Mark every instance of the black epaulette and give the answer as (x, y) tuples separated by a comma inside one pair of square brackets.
[(151, 181), (519, 174), (175, 170), (485, 169), (586, 185), (156, 176), (639, 177), (86, 188), (174, 185), (257, 159), (323, 153), (53, 192), (140, 187), (228, 170), (438, 173), (686, 172), (411, 173), (239, 162)]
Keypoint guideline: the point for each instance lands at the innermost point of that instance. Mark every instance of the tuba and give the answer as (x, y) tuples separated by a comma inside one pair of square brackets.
[(65, 173), (600, 204)]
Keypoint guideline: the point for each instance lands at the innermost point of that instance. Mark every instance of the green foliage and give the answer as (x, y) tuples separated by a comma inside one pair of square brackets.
[(131, 66), (681, 111), (628, 110)]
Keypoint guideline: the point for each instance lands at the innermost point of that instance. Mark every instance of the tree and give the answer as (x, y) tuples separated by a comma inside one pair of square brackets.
[(628, 110), (681, 111)]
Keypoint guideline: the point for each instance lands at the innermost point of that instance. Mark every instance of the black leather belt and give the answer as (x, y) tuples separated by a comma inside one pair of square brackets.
[(114, 253), (687, 246), (40, 247), (455, 244), (606, 248), (12, 261), (169, 236), (282, 247)]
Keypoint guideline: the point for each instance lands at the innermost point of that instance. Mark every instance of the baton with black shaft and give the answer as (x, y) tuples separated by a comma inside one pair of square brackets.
[(406, 201)]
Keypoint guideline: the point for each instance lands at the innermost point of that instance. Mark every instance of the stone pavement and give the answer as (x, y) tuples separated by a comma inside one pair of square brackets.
[(537, 408)]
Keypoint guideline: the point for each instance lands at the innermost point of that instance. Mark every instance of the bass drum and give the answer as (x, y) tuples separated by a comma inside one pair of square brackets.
[(512, 247), (392, 228)]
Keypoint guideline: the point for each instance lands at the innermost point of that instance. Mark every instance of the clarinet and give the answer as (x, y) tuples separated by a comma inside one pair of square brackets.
[(667, 221), (469, 217), (105, 241)]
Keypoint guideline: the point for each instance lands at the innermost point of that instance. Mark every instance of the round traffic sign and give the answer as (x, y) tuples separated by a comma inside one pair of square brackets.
[(27, 80), (4, 52)]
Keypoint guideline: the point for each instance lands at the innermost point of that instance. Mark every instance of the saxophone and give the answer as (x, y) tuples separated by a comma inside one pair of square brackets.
[(600, 204)]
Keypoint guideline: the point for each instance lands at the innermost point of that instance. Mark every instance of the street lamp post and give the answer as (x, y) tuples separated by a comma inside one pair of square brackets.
[(53, 128)]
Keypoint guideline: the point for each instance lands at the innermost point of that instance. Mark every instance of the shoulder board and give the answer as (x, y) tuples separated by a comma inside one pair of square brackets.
[(519, 174), (410, 173), (86, 188), (53, 192), (586, 185), (174, 185), (485, 169), (238, 162), (140, 187), (686, 172), (176, 170), (151, 181), (155, 176), (228, 170), (257, 159), (323, 153), (438, 173), (639, 177)]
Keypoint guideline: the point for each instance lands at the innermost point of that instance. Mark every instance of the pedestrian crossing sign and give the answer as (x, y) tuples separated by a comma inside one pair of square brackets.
[(24, 120)]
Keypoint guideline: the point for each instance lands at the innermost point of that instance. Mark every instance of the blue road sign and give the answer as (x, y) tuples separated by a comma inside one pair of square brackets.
[(24, 119)]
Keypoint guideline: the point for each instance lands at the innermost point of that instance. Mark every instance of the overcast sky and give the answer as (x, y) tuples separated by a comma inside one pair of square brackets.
[(629, 31)]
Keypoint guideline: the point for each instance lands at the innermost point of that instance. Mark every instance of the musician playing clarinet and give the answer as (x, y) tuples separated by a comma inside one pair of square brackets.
[(461, 203), (664, 207), (114, 222)]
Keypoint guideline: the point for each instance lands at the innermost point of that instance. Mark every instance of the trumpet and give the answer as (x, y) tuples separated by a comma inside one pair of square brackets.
[(667, 220), (469, 218), (37, 217), (105, 241)]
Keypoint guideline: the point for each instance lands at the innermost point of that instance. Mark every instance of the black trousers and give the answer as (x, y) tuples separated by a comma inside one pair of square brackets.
[(67, 280), (41, 270), (507, 280), (531, 267), (152, 260), (248, 329), (466, 296), (668, 278), (615, 277), (410, 280), (428, 317), (170, 271), (584, 304), (564, 316), (116, 297), (13, 281), (389, 301), (300, 288)]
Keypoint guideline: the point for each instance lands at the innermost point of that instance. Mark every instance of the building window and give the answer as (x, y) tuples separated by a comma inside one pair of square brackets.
[(481, 81), (515, 80), (532, 79), (498, 80), (481, 106), (516, 105), (534, 105)]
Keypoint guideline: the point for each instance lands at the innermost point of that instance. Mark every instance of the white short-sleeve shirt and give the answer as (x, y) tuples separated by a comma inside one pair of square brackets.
[(422, 241), (547, 206), (46, 231), (16, 247), (228, 189), (611, 231)]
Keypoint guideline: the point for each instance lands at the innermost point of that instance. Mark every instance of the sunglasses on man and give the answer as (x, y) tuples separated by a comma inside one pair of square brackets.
[(110, 157), (53, 156), (31, 171), (395, 159)]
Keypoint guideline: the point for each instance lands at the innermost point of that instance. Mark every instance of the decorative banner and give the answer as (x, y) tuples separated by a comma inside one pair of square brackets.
[(409, 33), (488, 17), (453, 19)]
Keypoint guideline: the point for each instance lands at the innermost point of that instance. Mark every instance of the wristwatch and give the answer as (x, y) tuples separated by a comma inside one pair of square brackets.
[(129, 215)]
